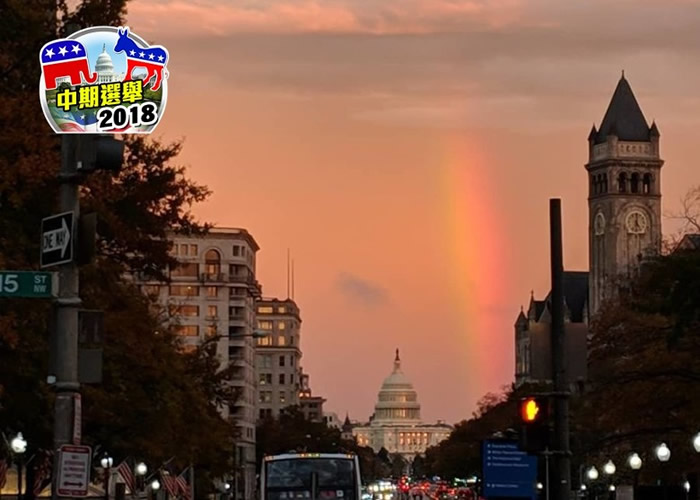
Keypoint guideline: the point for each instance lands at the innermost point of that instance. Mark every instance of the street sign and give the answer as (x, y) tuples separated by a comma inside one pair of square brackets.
[(74, 470), (57, 239), (507, 471), (26, 284)]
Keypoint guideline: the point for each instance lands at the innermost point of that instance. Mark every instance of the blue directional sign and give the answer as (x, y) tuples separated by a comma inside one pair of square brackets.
[(507, 471)]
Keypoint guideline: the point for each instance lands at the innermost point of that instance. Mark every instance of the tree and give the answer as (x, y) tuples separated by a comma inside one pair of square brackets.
[(155, 402), (398, 465)]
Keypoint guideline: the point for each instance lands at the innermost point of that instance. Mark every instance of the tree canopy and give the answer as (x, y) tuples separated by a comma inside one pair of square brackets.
[(155, 402)]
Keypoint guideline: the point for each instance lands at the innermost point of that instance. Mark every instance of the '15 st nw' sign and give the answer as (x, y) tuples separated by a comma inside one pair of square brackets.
[(25, 284)]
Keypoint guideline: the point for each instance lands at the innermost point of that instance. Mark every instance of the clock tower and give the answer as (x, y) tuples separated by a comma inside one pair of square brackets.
[(624, 201)]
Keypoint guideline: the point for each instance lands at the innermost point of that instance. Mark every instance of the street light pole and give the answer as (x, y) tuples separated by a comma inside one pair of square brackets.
[(106, 463), (19, 446)]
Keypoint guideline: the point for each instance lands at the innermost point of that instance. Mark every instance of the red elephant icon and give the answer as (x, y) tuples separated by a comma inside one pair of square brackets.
[(65, 58)]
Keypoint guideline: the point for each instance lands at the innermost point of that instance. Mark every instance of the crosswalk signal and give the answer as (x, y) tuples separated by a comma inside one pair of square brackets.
[(534, 424)]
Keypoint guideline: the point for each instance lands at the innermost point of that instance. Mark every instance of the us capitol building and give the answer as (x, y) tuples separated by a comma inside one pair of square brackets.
[(396, 424)]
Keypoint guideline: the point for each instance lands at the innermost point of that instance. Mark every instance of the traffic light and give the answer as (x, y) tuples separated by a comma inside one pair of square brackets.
[(100, 152), (534, 418)]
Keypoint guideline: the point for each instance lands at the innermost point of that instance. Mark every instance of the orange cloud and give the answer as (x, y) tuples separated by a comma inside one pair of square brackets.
[(317, 16)]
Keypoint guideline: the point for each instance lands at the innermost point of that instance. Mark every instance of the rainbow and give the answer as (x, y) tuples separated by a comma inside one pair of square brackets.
[(475, 231)]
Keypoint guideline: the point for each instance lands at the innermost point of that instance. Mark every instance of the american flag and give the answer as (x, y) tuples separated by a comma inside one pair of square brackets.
[(169, 483), (183, 486), (3, 473), (42, 471), (127, 474)]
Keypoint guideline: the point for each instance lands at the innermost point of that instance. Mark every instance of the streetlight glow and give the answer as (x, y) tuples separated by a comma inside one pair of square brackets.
[(609, 468), (612, 487), (686, 486), (106, 462), (583, 487), (540, 486), (141, 469), (663, 453), (635, 461), (18, 444), (155, 485), (592, 473), (696, 442)]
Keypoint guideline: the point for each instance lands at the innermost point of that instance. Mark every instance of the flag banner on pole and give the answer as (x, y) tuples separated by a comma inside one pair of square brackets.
[(42, 471), (183, 485), (127, 474), (169, 483)]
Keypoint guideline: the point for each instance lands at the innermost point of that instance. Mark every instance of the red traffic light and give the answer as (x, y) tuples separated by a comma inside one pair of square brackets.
[(530, 410)]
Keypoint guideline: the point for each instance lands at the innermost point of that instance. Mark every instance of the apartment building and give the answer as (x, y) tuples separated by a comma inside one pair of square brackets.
[(277, 356), (212, 293)]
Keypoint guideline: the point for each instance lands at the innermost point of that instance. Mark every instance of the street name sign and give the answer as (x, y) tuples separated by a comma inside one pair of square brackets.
[(26, 284), (507, 471), (57, 239), (74, 471)]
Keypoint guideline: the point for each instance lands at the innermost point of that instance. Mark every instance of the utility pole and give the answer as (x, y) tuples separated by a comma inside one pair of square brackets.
[(561, 478), (65, 342)]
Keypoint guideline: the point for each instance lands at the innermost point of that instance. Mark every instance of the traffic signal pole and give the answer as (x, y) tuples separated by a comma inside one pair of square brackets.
[(561, 477), (67, 416)]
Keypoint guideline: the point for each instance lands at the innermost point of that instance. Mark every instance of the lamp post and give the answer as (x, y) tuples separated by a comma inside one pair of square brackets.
[(141, 470), (19, 446), (106, 464), (155, 486), (609, 469), (663, 453), (635, 463)]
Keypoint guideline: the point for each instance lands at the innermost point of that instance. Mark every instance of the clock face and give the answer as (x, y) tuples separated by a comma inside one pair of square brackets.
[(636, 222), (599, 224)]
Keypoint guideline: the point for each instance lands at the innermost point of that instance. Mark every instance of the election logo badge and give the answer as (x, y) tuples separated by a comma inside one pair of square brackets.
[(103, 80)]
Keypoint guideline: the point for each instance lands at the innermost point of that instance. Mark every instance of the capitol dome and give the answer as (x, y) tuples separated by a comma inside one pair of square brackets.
[(104, 63), (398, 401)]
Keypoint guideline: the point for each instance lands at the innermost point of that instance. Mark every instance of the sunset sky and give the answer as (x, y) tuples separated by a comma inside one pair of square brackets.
[(405, 150)]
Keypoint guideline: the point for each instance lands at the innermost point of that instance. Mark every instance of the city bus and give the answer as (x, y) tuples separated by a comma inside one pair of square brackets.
[(310, 476)]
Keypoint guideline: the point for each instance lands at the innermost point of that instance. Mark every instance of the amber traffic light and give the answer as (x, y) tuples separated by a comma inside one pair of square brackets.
[(530, 410), (534, 424)]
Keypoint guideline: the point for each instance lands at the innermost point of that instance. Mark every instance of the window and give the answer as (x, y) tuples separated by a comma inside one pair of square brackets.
[(622, 183), (265, 325), (634, 183), (281, 380), (291, 378), (265, 396), (281, 325), (185, 269), (265, 378), (174, 249), (282, 360), (281, 340), (187, 330), (291, 340), (265, 310), (211, 330), (193, 250), (184, 250), (282, 310), (184, 291), (282, 397), (236, 250), (265, 361), (212, 291), (212, 262), (292, 360), (184, 310), (646, 184), (212, 311), (151, 290), (265, 340)]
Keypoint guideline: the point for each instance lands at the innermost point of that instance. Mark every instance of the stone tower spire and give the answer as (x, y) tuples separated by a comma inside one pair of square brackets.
[(624, 173)]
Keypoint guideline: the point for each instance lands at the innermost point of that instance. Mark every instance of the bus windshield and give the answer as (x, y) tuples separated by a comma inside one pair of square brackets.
[(335, 478)]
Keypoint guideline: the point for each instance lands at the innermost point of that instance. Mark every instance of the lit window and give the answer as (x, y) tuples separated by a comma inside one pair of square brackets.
[(282, 310), (184, 310), (185, 269), (282, 397), (265, 378), (184, 291), (211, 330), (265, 325), (281, 340), (281, 325), (193, 250), (187, 330), (265, 340), (265, 310), (212, 291), (184, 250)]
